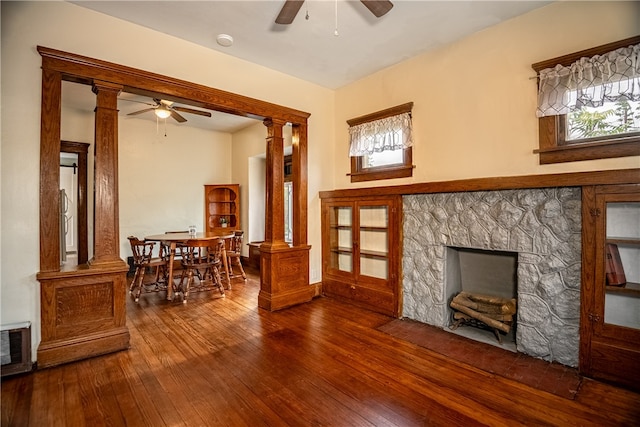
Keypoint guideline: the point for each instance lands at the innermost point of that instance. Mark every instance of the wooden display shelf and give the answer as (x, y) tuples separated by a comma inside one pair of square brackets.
[(373, 228), (341, 227), (222, 202), (363, 253), (624, 241), (342, 250), (630, 288), (374, 254)]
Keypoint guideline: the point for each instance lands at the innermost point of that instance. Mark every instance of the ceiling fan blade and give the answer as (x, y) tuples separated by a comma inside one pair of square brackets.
[(135, 113), (177, 117), (191, 111), (378, 7), (289, 11)]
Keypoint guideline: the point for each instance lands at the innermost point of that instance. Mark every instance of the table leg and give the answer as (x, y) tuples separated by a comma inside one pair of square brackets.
[(225, 264), (172, 255)]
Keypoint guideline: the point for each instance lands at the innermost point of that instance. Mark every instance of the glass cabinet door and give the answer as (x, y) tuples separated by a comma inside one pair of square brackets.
[(374, 241), (341, 238), (622, 264)]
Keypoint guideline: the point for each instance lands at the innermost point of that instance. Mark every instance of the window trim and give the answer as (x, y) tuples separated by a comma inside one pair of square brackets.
[(552, 148), (360, 174)]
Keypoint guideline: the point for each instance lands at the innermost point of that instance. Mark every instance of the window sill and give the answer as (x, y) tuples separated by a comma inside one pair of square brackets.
[(386, 173), (590, 151)]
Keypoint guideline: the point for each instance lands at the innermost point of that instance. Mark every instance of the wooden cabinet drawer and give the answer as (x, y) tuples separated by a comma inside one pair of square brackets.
[(375, 299)]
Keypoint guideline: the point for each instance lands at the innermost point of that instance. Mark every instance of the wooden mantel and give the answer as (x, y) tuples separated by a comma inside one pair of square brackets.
[(570, 179)]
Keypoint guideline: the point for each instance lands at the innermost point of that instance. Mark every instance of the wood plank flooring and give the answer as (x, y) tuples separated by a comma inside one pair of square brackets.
[(224, 362)]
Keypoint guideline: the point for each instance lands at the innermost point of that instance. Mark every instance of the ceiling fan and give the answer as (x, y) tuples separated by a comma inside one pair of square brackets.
[(291, 7), (163, 109)]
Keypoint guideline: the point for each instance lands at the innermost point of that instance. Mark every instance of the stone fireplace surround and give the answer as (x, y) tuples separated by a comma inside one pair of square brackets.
[(542, 225)]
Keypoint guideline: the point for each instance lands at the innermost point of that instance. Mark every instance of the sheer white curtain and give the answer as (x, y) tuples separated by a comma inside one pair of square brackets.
[(590, 82), (390, 133)]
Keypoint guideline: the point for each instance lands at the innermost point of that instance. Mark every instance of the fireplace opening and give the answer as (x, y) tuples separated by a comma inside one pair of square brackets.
[(485, 282)]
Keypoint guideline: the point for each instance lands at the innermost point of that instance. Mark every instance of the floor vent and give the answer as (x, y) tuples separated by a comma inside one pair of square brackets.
[(15, 354)]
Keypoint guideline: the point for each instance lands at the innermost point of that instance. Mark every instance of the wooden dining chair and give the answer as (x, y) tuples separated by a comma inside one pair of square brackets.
[(202, 259), (234, 253), (165, 250), (142, 260)]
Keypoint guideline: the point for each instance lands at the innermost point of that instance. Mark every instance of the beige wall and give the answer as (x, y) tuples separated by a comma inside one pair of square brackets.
[(474, 101), (249, 144), (162, 178)]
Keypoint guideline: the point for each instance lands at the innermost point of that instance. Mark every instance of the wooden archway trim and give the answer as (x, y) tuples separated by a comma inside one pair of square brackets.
[(83, 312), (85, 70)]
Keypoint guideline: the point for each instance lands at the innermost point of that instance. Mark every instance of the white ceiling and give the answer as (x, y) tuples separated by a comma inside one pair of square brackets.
[(80, 97), (308, 48)]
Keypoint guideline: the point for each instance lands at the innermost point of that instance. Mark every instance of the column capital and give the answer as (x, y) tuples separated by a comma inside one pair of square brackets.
[(274, 121), (99, 85)]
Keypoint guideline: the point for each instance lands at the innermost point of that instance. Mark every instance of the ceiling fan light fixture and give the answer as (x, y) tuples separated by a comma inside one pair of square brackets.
[(224, 40), (162, 112)]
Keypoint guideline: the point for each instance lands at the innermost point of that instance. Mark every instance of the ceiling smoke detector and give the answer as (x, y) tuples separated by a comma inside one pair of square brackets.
[(224, 40)]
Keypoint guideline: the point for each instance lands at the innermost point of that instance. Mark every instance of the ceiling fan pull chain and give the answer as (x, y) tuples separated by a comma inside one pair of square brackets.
[(335, 33)]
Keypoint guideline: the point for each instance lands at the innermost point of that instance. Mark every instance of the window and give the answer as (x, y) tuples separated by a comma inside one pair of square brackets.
[(589, 104), (381, 144), (288, 199)]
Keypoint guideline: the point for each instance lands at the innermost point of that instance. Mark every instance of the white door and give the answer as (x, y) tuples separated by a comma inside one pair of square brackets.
[(69, 183)]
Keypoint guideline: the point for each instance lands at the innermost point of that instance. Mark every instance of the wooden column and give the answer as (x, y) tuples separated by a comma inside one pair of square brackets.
[(274, 198), (284, 269), (50, 170), (299, 158), (82, 310), (106, 226)]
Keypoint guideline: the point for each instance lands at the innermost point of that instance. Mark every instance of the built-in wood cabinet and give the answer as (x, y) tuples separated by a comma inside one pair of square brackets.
[(222, 207), (361, 251), (610, 318)]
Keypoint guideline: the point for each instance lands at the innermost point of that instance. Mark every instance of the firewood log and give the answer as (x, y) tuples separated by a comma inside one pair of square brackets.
[(481, 317), (507, 318), (486, 304)]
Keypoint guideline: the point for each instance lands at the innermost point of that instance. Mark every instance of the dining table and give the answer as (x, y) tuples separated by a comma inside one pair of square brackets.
[(173, 239)]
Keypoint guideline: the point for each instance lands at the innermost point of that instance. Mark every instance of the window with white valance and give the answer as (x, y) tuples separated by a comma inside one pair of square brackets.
[(590, 82), (381, 144), (589, 103), (387, 134)]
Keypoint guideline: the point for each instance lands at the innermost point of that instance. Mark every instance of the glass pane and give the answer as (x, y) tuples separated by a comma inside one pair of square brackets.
[(341, 240), (374, 267), (288, 212), (374, 216), (384, 158), (612, 118), (374, 241), (622, 252)]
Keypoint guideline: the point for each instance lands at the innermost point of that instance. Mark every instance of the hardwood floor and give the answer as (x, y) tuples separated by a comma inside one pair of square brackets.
[(224, 362)]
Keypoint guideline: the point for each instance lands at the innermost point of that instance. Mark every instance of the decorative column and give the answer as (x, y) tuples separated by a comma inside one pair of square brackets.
[(50, 170), (82, 310), (106, 228), (299, 157), (274, 198), (284, 269)]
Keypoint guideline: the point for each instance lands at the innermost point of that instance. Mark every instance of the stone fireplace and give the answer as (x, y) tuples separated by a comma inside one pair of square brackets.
[(542, 226)]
